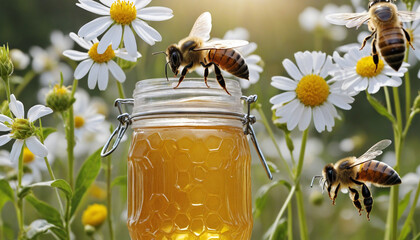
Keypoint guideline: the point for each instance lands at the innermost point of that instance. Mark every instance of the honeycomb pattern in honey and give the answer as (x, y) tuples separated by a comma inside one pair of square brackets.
[(189, 183)]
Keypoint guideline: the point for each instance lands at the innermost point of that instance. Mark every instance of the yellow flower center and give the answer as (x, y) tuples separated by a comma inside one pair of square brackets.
[(22, 128), (94, 215), (365, 67), (28, 156), (79, 121), (312, 90), (101, 58), (123, 12), (61, 90)]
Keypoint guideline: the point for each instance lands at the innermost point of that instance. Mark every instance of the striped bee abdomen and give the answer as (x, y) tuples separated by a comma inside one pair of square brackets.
[(378, 173), (230, 61), (392, 46)]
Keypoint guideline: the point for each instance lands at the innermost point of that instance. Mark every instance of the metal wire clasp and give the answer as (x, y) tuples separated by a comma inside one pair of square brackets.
[(124, 121), (248, 120)]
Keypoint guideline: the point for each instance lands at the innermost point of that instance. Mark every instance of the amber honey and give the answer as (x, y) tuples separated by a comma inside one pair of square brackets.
[(189, 182)]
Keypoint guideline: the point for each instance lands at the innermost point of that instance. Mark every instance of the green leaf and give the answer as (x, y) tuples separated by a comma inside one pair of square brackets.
[(46, 211), (87, 174), (262, 193), (120, 180), (46, 131), (37, 228), (280, 231), (380, 108), (402, 205), (6, 193), (8, 232), (59, 183)]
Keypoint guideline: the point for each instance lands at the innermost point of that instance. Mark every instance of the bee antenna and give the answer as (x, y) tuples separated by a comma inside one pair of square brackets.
[(313, 179), (166, 71), (156, 53)]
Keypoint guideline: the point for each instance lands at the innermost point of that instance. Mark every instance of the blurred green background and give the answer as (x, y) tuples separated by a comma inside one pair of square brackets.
[(274, 26)]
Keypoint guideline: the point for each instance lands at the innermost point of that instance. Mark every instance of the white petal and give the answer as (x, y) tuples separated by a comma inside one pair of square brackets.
[(318, 61), (292, 70), (130, 41), (16, 150), (107, 2), (362, 85), (83, 68), (283, 83), (327, 68), (155, 13), (304, 62), (305, 119), (4, 128), (340, 100), (141, 3), (283, 98), (145, 32), (318, 119), (36, 147), (16, 107), (393, 82), (116, 71), (4, 118), (103, 76), (112, 36), (374, 85), (295, 117), (93, 76), (94, 28), (5, 139), (328, 117), (93, 7), (80, 41), (76, 55), (38, 111), (124, 55)]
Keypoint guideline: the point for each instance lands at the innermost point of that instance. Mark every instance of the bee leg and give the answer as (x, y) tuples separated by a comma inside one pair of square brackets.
[(407, 36), (183, 73), (366, 39), (336, 193), (220, 78), (206, 72), (354, 195), (375, 54), (367, 197)]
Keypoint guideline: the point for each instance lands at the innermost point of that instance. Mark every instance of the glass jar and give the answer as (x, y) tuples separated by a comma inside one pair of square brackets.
[(189, 162)]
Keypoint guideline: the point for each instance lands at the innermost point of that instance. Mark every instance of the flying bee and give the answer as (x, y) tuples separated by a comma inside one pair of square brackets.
[(353, 173), (385, 22), (196, 50)]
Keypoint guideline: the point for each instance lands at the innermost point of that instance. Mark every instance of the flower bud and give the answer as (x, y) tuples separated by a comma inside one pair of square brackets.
[(316, 198), (6, 65), (59, 99), (90, 230), (22, 128)]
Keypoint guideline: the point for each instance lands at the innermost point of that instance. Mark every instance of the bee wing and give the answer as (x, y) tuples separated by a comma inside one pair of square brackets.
[(372, 153), (350, 20), (407, 16), (222, 44), (202, 27)]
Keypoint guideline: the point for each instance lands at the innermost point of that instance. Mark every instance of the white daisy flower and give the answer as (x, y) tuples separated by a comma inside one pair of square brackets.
[(86, 116), (312, 19), (308, 94), (358, 71), (47, 63), (20, 59), (22, 129), (60, 42), (97, 64), (119, 19)]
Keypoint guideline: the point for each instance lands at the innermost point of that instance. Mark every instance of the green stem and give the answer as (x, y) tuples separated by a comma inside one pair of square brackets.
[(20, 200), (109, 197), (273, 139), (397, 108), (69, 122), (410, 215), (408, 124), (388, 100), (26, 80), (120, 90), (7, 83), (290, 221), (299, 195), (407, 93), (283, 208)]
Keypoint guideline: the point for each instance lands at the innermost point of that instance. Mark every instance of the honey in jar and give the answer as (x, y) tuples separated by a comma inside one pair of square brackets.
[(189, 163)]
